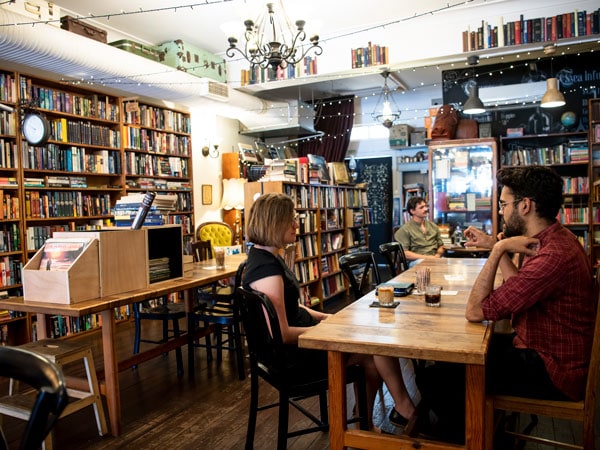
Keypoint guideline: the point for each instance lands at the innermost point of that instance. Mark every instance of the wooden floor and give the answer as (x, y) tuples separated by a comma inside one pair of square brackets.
[(162, 411)]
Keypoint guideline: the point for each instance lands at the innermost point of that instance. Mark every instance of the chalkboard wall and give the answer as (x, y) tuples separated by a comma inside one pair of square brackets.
[(579, 79)]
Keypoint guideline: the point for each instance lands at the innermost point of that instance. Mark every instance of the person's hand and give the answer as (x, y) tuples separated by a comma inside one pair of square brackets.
[(520, 244), (477, 238), (324, 316)]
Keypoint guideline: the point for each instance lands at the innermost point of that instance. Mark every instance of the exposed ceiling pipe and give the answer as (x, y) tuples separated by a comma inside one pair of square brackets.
[(66, 55)]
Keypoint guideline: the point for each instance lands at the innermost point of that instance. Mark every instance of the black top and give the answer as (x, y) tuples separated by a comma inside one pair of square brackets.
[(261, 264)]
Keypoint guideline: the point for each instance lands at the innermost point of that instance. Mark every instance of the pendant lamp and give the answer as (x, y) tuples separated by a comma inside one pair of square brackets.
[(473, 105), (553, 98)]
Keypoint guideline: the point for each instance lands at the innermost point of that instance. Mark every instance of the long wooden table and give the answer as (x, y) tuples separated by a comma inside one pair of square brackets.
[(199, 274), (411, 330)]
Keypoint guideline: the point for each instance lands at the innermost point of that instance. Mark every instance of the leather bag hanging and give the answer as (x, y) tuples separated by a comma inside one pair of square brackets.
[(446, 121)]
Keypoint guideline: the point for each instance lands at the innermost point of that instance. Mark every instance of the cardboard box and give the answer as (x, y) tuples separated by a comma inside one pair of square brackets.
[(417, 138), (400, 135), (188, 58), (38, 10), (79, 283)]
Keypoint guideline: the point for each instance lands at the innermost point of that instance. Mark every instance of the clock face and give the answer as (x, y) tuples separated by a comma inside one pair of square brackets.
[(36, 129)]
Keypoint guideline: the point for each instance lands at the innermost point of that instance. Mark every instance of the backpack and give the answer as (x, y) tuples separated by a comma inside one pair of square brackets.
[(446, 121)]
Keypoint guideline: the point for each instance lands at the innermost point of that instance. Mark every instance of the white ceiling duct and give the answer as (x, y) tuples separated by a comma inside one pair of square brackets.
[(510, 94), (69, 56)]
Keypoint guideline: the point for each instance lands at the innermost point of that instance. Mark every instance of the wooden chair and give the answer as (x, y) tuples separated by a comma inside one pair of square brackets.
[(361, 270), (393, 252), (582, 411), (48, 395), (268, 361)]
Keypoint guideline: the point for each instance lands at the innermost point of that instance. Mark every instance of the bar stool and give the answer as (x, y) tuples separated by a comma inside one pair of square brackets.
[(82, 392)]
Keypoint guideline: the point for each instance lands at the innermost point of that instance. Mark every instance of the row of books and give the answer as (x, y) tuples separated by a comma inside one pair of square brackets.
[(8, 154), (72, 159), (156, 141), (10, 271), (37, 235), (65, 326), (8, 123), (558, 154), (181, 219), (305, 247), (183, 200), (576, 185), (10, 238), (307, 222), (524, 31), (371, 55), (331, 242), (307, 270), (356, 237), (154, 117), (81, 132), (54, 100), (43, 205), (356, 198), (573, 215), (332, 219), (333, 285), (9, 209), (329, 264), (306, 299), (159, 185), (257, 74), (8, 88), (596, 132), (152, 165)]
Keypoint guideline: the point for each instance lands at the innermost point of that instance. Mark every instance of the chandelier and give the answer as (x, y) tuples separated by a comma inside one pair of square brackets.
[(386, 110), (271, 41)]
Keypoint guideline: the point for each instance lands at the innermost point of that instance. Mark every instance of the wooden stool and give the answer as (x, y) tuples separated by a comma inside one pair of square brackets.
[(82, 392)]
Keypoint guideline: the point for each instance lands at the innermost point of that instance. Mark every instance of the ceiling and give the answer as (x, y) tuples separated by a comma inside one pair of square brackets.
[(198, 22)]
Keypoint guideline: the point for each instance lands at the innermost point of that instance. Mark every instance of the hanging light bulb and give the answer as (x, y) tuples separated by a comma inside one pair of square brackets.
[(385, 113), (553, 98)]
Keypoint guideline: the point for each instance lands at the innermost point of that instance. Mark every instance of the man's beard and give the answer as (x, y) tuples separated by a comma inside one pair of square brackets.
[(514, 226)]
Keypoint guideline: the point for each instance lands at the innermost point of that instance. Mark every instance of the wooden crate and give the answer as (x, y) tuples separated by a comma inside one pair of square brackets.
[(122, 258), (79, 283)]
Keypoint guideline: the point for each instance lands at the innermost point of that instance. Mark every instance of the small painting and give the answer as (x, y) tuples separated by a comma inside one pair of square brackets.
[(207, 194)]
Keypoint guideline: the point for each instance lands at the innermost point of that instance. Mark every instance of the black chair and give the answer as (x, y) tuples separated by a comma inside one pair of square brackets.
[(358, 268), (45, 377), (217, 306), (166, 312), (394, 255), (268, 361)]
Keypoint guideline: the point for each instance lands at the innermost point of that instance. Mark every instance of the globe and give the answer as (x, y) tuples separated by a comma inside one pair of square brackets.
[(568, 119)]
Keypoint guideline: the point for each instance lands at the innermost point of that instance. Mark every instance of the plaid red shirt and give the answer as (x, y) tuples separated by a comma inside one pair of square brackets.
[(552, 303)]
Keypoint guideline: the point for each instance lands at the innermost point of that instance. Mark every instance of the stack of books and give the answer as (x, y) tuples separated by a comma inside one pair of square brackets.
[(127, 207)]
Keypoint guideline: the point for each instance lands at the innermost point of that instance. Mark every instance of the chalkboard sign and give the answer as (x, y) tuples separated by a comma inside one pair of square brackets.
[(579, 79)]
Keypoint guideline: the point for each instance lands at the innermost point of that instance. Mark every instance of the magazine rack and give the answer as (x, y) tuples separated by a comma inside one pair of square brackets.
[(80, 282)]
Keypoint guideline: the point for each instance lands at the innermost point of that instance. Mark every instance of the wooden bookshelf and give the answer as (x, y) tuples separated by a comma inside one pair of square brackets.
[(100, 149), (594, 174)]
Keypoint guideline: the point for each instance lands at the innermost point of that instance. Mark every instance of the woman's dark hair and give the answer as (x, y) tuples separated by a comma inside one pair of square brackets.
[(539, 183), (413, 202)]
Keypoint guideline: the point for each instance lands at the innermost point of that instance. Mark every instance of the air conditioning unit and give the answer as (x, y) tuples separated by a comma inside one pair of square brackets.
[(509, 94), (214, 90)]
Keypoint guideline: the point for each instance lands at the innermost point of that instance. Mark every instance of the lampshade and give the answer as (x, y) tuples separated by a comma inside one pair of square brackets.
[(233, 193), (553, 98), (386, 110), (473, 105)]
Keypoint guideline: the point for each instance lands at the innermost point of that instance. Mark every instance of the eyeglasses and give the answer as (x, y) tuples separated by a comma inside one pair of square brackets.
[(502, 204)]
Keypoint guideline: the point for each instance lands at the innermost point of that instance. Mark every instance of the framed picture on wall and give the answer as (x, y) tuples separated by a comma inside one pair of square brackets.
[(207, 194)]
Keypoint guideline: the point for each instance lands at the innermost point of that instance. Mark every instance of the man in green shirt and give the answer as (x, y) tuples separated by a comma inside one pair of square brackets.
[(419, 237)]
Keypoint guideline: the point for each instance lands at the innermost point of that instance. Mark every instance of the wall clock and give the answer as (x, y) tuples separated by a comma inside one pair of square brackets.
[(36, 128)]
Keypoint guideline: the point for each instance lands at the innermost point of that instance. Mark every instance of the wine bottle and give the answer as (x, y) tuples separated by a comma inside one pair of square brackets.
[(143, 210)]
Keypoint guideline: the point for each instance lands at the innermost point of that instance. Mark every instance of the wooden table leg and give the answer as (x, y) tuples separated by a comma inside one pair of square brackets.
[(337, 400), (475, 406), (111, 371), (188, 299)]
